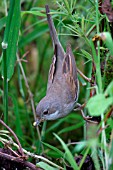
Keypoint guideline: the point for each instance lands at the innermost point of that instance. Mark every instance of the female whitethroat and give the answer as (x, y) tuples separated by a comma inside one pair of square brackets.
[(63, 86)]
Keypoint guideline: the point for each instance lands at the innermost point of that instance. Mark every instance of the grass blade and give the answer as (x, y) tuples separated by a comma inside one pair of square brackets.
[(11, 36), (45, 166), (69, 156), (54, 148), (38, 31), (70, 128), (2, 22)]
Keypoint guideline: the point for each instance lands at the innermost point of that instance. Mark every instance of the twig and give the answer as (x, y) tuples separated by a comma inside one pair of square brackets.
[(34, 155), (13, 151), (101, 129), (42, 158), (10, 130), (30, 95), (82, 75), (18, 160), (22, 59)]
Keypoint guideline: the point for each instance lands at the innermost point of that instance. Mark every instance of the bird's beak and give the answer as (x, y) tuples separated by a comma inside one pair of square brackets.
[(36, 123)]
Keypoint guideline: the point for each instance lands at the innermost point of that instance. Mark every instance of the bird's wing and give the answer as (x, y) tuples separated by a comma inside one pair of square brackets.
[(56, 66), (70, 72), (53, 68)]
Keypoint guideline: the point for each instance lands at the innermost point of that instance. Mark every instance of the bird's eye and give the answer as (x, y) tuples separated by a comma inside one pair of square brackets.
[(45, 112)]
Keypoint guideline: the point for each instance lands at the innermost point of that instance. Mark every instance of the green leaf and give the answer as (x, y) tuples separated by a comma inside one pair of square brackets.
[(54, 148), (110, 122), (1, 92), (11, 36), (38, 31), (70, 128), (109, 89), (33, 13), (45, 166), (86, 54), (55, 125), (67, 5), (17, 115), (2, 22), (98, 104), (79, 147), (69, 157)]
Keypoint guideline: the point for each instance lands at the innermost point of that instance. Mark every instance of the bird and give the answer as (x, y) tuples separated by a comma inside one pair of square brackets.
[(63, 85)]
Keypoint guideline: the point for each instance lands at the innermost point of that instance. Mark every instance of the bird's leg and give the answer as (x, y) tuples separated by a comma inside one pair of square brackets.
[(87, 118), (83, 76)]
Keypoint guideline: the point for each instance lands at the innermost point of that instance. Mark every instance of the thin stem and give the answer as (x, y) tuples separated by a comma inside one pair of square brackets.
[(83, 76), (32, 155), (31, 97), (4, 47), (84, 157), (99, 80), (5, 84), (10, 130), (98, 71), (42, 134), (5, 5)]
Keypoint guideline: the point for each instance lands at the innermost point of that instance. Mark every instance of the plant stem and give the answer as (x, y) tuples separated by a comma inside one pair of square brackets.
[(5, 84), (84, 157), (98, 71), (99, 81), (5, 7), (32, 155), (31, 98)]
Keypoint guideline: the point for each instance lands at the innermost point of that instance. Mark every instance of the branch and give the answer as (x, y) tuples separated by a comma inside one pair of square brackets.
[(32, 155), (18, 160), (10, 130)]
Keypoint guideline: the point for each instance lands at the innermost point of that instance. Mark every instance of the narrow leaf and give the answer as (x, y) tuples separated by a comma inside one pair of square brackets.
[(70, 128), (33, 13), (11, 37), (54, 148), (86, 54), (69, 156), (2, 22), (45, 166), (38, 31)]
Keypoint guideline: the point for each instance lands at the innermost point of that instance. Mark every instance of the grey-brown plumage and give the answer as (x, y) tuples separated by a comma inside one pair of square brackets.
[(63, 86)]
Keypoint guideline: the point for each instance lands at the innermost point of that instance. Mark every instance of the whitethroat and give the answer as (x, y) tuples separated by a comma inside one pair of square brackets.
[(63, 86)]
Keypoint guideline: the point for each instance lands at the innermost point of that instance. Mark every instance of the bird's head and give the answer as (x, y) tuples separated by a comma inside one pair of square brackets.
[(47, 109)]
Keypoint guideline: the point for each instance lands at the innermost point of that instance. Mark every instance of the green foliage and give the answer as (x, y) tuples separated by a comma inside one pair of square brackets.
[(55, 149), (11, 36), (45, 166), (98, 104), (2, 22), (109, 89), (68, 155), (25, 30), (106, 37)]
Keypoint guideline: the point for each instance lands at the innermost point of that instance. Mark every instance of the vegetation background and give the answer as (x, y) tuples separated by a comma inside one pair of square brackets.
[(25, 64)]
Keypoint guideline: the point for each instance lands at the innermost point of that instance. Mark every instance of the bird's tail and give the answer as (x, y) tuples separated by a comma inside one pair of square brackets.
[(52, 29)]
